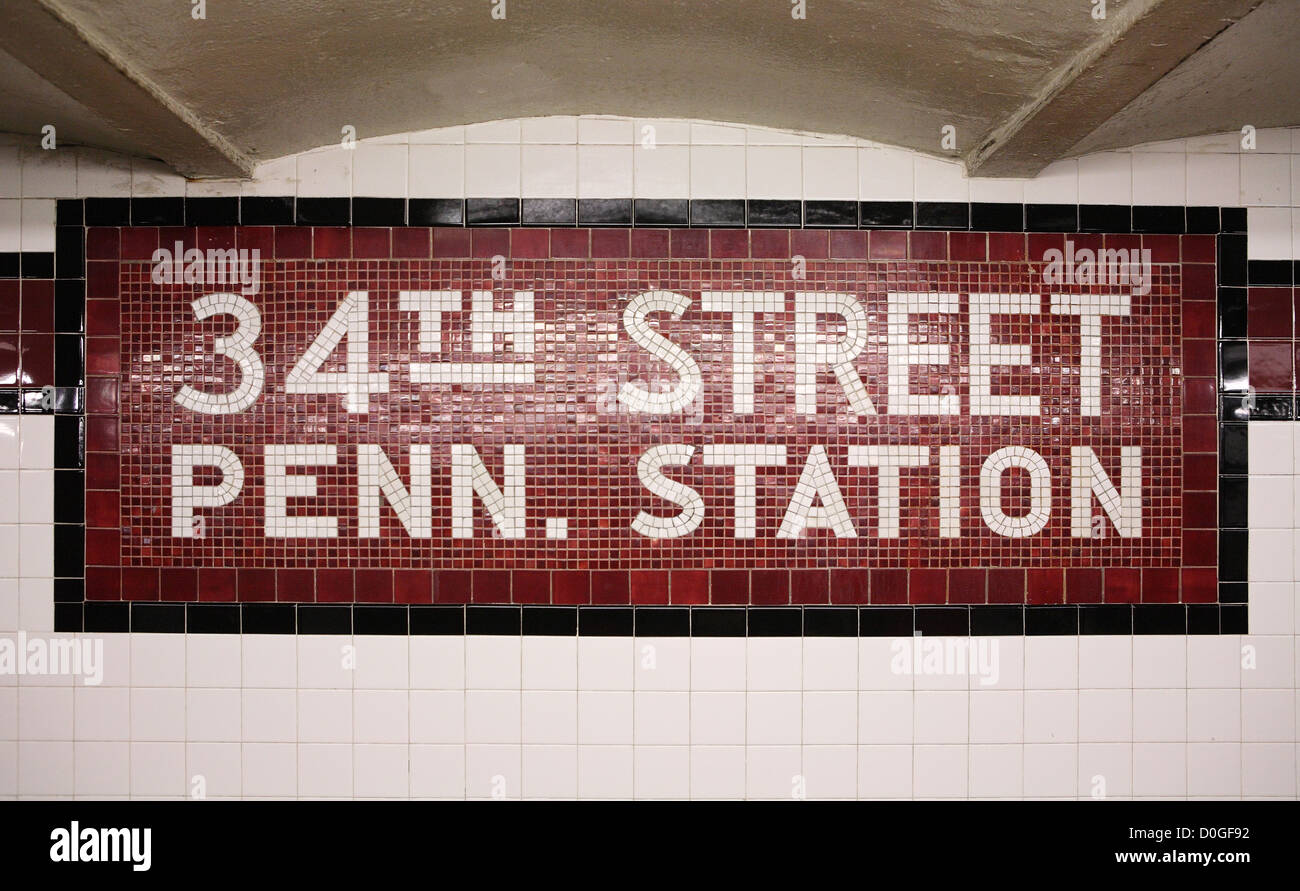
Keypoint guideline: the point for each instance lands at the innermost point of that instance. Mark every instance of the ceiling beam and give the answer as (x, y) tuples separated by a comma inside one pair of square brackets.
[(1138, 44), (49, 40)]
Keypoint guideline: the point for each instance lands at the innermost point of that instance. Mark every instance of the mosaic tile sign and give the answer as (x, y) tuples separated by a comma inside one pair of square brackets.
[(497, 421)]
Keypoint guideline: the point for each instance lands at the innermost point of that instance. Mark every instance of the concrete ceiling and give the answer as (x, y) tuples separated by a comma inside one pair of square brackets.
[(1024, 82)]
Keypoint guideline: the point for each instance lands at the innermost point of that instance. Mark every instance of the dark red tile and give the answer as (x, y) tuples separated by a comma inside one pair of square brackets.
[(1271, 365), (649, 586)]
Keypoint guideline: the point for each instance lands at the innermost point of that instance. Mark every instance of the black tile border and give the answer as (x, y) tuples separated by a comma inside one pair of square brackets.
[(67, 266), (753, 213), (650, 621)]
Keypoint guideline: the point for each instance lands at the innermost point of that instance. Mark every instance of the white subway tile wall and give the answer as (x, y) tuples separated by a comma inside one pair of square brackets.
[(276, 716)]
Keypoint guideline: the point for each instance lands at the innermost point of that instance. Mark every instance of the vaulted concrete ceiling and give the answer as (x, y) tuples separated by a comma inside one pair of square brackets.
[(1023, 82)]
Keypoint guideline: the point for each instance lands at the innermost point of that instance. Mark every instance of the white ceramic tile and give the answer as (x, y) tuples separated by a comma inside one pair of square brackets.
[(550, 717), (158, 714), (554, 130), (604, 171), (437, 136), (11, 178), (717, 772), (1212, 661), (38, 225), (437, 663), (776, 171), (550, 771), (46, 768), (273, 178), (606, 131), (102, 713), (154, 179), (830, 663), (716, 134), (605, 717), (1105, 661), (661, 772), (492, 772), (158, 660), (1270, 505), (886, 174), (939, 180), (774, 663), (213, 715), (491, 171), (379, 170), (941, 716), (1056, 183), (494, 132), (1213, 180), (380, 771), (1214, 769), (214, 769), (11, 227), (1159, 178), (717, 663), (830, 173), (1272, 449), (325, 173), (45, 713), (662, 131), (550, 663), (997, 716), (270, 716), (158, 769), (1271, 556), (37, 442), (102, 768), (1265, 180), (1268, 770), (493, 717), (1268, 233), (1107, 178), (606, 663), (940, 771), (1159, 715), (1159, 769), (996, 771), (36, 600), (35, 502), (380, 716), (717, 171), (1268, 716), (325, 770), (887, 771), (213, 660), (1050, 771), (1105, 770), (717, 719), (663, 171), (663, 663), (269, 660), (270, 770), (1159, 662), (1213, 715), (437, 771), (1051, 663), (1105, 715), (997, 191), (773, 773), (48, 173), (326, 661), (662, 718), (438, 716), (549, 171), (1051, 716), (382, 662)]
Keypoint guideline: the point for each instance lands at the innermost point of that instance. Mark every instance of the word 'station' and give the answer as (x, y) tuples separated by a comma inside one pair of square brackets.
[(655, 414)]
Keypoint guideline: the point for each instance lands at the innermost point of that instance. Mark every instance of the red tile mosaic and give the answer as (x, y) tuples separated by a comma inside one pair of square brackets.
[(490, 416)]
